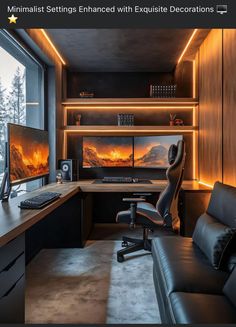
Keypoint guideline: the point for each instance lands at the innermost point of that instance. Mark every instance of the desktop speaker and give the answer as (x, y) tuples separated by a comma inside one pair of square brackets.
[(69, 169)]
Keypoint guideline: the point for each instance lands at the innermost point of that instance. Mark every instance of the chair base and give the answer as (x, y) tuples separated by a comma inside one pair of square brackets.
[(136, 245)]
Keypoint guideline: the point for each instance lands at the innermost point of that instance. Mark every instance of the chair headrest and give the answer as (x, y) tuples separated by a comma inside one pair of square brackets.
[(172, 153)]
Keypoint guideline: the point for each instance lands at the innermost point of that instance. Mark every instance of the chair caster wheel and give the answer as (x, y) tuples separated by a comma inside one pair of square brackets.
[(120, 258), (124, 244)]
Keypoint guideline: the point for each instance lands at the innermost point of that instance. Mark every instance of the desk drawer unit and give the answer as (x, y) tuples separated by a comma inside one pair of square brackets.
[(12, 281)]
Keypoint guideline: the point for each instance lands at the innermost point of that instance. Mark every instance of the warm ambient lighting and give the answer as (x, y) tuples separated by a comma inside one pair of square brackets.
[(205, 184), (194, 155), (53, 46), (104, 103), (88, 106), (194, 144), (78, 131), (187, 45), (194, 79)]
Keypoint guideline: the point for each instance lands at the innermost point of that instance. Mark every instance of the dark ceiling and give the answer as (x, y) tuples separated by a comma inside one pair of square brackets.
[(120, 50)]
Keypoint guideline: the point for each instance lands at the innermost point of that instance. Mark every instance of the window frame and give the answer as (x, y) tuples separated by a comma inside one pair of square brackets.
[(16, 47)]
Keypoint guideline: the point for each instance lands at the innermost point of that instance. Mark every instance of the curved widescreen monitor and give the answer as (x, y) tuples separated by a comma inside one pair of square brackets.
[(28, 153), (125, 151), (152, 151)]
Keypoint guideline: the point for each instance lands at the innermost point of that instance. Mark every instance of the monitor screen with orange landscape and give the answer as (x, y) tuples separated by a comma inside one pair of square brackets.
[(152, 151), (108, 151), (28, 153)]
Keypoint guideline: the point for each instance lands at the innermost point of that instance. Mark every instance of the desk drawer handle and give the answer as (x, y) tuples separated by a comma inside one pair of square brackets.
[(8, 267), (11, 289)]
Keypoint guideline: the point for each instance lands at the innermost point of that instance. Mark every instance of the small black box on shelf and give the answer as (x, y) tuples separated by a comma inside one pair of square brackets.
[(125, 119), (163, 91)]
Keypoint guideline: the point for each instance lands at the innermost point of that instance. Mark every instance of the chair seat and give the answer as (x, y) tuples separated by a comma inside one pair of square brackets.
[(195, 308), (146, 214), (182, 267)]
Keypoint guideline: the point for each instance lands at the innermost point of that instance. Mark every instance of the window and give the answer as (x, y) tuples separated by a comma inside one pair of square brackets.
[(21, 91)]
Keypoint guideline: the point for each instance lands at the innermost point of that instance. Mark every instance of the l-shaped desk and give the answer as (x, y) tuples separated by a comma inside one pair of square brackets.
[(14, 221), (67, 222)]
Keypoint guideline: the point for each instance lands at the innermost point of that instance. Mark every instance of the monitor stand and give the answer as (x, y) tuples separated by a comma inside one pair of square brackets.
[(5, 189)]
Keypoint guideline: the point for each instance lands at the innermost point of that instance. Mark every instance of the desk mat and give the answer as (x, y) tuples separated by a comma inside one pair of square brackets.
[(141, 181)]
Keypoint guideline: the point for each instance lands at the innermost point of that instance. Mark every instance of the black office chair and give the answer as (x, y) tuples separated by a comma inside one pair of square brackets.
[(164, 215)]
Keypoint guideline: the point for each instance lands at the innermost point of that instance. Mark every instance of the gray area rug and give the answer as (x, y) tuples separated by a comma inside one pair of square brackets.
[(88, 286)]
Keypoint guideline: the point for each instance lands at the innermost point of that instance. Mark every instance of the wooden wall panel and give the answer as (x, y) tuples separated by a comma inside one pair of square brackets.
[(210, 108), (184, 79), (229, 105)]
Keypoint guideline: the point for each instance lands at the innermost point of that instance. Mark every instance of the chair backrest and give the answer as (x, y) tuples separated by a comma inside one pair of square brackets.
[(167, 204)]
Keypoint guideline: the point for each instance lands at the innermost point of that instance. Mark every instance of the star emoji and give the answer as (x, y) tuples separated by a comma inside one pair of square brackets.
[(12, 19)]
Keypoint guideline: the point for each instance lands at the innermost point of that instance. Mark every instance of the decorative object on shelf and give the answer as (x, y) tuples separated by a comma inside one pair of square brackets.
[(172, 119), (176, 121), (179, 122), (77, 119), (85, 94), (163, 91), (125, 119), (59, 177)]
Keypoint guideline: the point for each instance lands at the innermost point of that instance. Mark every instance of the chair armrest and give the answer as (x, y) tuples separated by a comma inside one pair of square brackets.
[(134, 200), (142, 194)]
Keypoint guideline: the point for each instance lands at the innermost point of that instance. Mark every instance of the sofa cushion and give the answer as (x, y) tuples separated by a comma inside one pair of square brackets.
[(212, 237), (197, 308), (222, 204), (230, 288), (182, 267)]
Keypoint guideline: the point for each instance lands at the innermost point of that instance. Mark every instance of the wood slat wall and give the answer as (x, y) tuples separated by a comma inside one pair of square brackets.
[(210, 108), (217, 103), (229, 107)]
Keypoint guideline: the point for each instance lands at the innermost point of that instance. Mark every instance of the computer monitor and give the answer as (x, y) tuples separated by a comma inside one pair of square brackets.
[(107, 151), (152, 151), (28, 153)]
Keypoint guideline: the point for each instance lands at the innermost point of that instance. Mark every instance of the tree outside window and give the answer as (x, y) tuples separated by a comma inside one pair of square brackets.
[(12, 97), (21, 94)]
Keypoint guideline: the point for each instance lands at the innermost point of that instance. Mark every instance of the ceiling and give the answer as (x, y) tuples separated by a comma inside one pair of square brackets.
[(120, 50)]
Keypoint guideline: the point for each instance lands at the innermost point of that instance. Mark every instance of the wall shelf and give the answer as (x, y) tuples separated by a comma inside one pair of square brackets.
[(130, 101), (151, 118), (127, 130)]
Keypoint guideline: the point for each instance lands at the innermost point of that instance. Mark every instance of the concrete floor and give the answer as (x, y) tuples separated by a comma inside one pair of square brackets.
[(88, 286)]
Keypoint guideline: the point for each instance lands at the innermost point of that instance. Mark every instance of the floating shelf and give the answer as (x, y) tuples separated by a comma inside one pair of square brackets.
[(130, 101), (127, 130)]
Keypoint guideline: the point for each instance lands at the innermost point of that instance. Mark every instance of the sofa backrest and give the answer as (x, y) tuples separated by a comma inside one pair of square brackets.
[(229, 289), (222, 204)]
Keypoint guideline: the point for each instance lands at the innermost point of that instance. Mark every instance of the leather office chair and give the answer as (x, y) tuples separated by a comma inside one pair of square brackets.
[(164, 215)]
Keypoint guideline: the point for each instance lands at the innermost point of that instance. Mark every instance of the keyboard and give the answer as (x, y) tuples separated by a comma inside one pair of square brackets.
[(119, 180), (39, 201)]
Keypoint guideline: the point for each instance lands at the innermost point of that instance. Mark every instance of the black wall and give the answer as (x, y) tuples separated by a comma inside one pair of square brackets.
[(130, 85), (115, 85)]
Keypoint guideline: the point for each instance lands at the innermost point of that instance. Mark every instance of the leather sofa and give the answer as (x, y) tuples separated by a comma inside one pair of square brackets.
[(189, 289)]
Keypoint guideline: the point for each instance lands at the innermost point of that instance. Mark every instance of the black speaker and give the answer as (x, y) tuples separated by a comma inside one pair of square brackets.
[(69, 169)]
